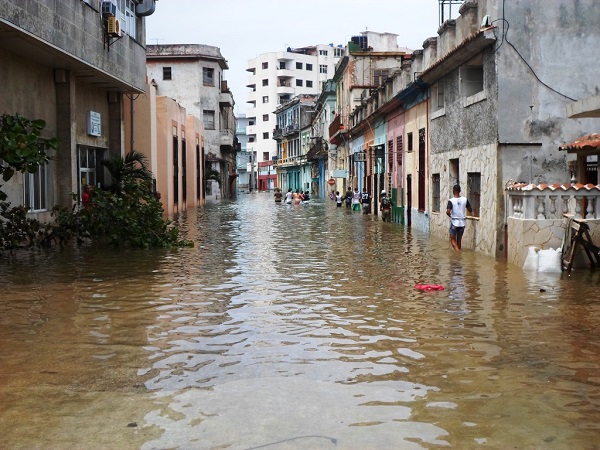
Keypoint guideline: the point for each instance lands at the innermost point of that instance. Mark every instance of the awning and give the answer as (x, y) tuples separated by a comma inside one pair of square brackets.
[(585, 145)]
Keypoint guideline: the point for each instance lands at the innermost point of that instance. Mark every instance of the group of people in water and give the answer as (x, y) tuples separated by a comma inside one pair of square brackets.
[(353, 199), (456, 209), (291, 197), (362, 201)]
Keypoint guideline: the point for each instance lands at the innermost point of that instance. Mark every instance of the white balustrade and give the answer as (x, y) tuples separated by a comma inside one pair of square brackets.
[(552, 204)]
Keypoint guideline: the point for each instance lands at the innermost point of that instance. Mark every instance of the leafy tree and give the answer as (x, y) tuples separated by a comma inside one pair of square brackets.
[(21, 146)]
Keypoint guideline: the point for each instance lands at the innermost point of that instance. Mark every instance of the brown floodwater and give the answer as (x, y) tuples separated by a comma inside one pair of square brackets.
[(295, 328)]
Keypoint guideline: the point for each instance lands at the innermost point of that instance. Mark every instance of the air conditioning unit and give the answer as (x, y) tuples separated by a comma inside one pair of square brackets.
[(109, 9), (114, 27)]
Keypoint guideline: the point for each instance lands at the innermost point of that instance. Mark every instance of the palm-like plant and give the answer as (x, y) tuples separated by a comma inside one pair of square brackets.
[(132, 167)]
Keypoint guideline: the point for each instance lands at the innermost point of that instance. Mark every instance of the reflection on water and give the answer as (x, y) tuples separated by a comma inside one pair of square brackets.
[(295, 327)]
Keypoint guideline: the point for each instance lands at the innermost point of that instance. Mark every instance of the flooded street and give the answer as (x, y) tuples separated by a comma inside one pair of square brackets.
[(295, 328)]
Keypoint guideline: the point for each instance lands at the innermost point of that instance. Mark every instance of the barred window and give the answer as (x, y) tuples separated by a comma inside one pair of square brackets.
[(35, 189), (435, 192), (399, 149), (474, 191)]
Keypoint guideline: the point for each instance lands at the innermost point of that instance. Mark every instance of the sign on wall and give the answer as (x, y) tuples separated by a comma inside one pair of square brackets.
[(94, 121)]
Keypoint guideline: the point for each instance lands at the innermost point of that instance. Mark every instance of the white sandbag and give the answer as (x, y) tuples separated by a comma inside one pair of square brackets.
[(549, 260), (532, 259)]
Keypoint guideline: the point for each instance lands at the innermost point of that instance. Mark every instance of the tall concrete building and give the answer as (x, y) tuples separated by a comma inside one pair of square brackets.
[(244, 158), (276, 78), (193, 75)]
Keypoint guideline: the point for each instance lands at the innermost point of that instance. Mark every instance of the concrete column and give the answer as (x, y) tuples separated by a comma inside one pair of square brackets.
[(115, 124), (66, 155)]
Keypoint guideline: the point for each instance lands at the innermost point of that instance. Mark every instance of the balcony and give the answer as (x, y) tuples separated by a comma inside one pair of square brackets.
[(290, 129), (225, 100), (251, 130), (277, 132), (285, 89), (226, 138), (292, 161), (285, 73), (337, 128)]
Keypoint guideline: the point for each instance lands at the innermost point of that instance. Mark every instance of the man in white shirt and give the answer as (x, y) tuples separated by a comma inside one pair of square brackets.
[(456, 210)]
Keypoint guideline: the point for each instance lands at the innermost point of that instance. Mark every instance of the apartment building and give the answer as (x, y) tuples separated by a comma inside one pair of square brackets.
[(193, 75), (244, 157), (70, 63), (275, 78)]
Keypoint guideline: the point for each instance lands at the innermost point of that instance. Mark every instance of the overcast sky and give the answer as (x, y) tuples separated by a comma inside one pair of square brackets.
[(243, 29)]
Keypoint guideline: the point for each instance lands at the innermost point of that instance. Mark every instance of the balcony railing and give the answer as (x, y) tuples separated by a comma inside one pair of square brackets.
[(227, 138), (292, 161), (528, 201), (338, 124)]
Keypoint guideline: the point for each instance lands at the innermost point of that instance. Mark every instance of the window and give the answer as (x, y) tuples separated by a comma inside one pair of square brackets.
[(299, 65), (309, 83), (209, 119), (127, 17), (266, 135), (282, 65), (471, 80), (399, 150), (265, 99), (380, 75), (265, 82), (322, 68), (308, 66), (35, 190), (251, 139), (409, 142), (265, 117), (265, 156), (435, 192), (422, 169), (323, 52), (474, 191), (265, 65), (167, 73), (284, 98), (441, 88), (208, 76), (298, 82), (338, 52), (88, 159)]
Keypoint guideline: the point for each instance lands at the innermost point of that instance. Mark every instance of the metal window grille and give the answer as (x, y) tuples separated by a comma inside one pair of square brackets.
[(474, 191)]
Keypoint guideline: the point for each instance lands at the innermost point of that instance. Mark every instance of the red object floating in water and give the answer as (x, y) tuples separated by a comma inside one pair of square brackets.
[(429, 287)]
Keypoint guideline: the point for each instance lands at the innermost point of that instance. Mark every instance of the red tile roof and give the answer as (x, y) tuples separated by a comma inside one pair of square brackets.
[(587, 142), (552, 187)]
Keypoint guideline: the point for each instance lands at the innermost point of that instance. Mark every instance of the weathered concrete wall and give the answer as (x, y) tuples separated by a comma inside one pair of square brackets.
[(467, 126), (556, 40), (482, 234), (543, 234), (76, 30), (186, 88)]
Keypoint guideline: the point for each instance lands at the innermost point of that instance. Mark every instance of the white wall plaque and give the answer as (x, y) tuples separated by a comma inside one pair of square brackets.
[(94, 123)]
